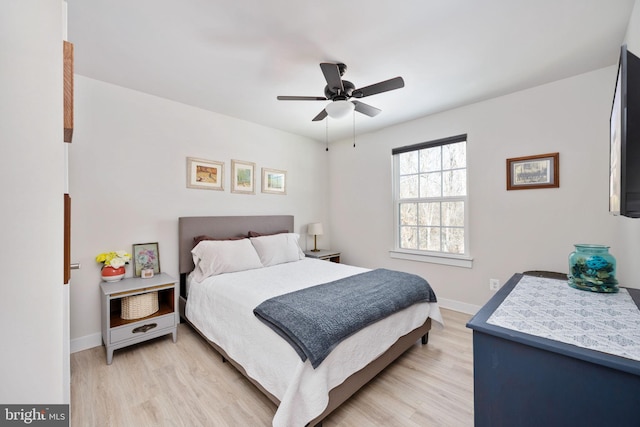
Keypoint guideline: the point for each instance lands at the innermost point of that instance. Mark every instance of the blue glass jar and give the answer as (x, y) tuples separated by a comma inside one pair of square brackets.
[(592, 268)]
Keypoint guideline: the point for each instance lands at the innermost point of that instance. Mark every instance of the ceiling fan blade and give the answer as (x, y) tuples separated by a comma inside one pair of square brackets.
[(387, 85), (366, 109), (332, 75), (321, 115), (302, 98)]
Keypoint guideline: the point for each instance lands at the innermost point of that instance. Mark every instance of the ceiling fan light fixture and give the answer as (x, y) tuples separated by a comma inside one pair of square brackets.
[(339, 109)]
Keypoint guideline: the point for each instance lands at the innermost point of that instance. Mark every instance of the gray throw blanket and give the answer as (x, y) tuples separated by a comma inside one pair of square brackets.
[(316, 319)]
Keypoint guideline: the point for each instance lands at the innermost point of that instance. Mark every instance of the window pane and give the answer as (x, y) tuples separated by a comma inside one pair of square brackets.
[(409, 187), (409, 237), (453, 214), (423, 238), (454, 183), (429, 214), (454, 156), (430, 159), (430, 184), (430, 239), (453, 240), (408, 214), (408, 163)]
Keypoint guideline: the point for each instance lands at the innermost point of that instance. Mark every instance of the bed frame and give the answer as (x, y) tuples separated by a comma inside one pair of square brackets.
[(232, 226)]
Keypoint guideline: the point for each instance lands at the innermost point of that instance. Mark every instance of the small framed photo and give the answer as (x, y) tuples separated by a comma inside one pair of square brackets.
[(205, 174), (146, 256), (243, 177), (274, 181), (541, 171)]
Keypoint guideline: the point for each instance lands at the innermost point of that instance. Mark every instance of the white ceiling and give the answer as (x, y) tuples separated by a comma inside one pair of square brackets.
[(235, 56)]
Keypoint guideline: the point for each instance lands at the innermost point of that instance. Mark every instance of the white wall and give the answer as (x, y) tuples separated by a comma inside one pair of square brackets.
[(632, 36), (31, 221), (128, 181), (511, 231)]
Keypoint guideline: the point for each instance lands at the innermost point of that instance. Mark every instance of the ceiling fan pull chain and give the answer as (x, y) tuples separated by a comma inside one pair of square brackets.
[(354, 128), (327, 134)]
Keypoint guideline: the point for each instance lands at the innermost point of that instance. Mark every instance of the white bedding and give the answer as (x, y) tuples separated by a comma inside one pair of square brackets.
[(221, 307)]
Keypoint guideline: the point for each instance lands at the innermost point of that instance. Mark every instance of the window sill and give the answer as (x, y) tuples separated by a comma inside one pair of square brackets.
[(452, 260)]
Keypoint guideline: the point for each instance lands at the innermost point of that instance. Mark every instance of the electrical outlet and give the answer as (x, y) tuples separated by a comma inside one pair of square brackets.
[(494, 284)]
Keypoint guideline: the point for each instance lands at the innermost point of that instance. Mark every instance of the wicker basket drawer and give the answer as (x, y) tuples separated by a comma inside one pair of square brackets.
[(139, 306), (144, 327)]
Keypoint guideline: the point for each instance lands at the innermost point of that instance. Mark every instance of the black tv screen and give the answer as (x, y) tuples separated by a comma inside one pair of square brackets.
[(624, 160)]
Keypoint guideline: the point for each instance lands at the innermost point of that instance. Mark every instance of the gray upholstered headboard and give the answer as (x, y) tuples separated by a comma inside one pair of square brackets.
[(221, 227)]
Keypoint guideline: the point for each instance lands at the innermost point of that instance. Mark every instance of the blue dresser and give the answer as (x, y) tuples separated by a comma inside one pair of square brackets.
[(527, 380)]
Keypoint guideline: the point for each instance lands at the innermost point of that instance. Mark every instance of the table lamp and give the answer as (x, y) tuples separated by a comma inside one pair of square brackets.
[(314, 230)]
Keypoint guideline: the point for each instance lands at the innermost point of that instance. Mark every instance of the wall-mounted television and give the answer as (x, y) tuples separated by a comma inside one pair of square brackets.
[(624, 160)]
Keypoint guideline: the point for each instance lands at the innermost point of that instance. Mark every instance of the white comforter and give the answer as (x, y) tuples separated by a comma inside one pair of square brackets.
[(221, 307)]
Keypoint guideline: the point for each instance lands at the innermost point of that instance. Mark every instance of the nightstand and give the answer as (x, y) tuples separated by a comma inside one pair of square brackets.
[(118, 332), (324, 254)]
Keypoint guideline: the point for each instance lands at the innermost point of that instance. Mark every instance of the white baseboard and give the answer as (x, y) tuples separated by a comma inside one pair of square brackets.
[(86, 342), (462, 307)]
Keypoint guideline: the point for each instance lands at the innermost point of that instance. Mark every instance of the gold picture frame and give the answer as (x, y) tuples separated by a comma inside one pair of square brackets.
[(243, 177), (205, 174), (274, 181)]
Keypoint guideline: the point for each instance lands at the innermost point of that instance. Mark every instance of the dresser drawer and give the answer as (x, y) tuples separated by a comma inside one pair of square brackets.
[(143, 327)]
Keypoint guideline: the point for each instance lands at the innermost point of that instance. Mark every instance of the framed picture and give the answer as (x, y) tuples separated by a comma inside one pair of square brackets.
[(274, 181), (206, 174), (243, 177), (146, 256), (542, 171)]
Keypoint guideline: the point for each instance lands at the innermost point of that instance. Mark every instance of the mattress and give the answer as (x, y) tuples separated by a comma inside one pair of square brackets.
[(221, 307)]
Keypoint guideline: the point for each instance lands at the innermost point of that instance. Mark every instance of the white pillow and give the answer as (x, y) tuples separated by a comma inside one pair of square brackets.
[(213, 257), (278, 248)]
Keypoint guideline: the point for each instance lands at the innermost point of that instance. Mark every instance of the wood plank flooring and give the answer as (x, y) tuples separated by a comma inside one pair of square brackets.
[(159, 383)]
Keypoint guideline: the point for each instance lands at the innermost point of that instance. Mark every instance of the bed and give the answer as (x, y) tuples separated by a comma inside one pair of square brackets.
[(305, 395)]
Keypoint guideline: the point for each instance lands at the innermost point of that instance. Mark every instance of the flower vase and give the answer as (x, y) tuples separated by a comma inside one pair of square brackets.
[(593, 268), (110, 274)]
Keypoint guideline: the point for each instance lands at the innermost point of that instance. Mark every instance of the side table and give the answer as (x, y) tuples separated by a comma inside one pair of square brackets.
[(325, 254), (118, 332)]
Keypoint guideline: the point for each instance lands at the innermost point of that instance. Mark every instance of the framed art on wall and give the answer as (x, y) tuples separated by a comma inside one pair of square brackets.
[(205, 174), (146, 256), (541, 171), (243, 177), (274, 181)]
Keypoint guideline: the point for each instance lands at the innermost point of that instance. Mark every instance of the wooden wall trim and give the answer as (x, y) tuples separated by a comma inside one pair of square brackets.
[(68, 91)]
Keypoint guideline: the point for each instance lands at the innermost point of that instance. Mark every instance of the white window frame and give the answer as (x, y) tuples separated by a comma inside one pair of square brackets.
[(457, 260)]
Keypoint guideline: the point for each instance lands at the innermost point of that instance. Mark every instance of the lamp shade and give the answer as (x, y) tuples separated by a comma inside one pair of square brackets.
[(314, 229), (339, 109)]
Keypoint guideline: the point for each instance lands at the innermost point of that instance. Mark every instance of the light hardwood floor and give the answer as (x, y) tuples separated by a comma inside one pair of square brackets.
[(159, 383)]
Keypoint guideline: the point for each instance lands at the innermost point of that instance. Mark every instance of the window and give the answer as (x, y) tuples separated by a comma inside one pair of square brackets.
[(430, 194)]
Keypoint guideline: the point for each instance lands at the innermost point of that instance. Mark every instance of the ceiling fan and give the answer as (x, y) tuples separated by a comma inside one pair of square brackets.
[(341, 91)]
